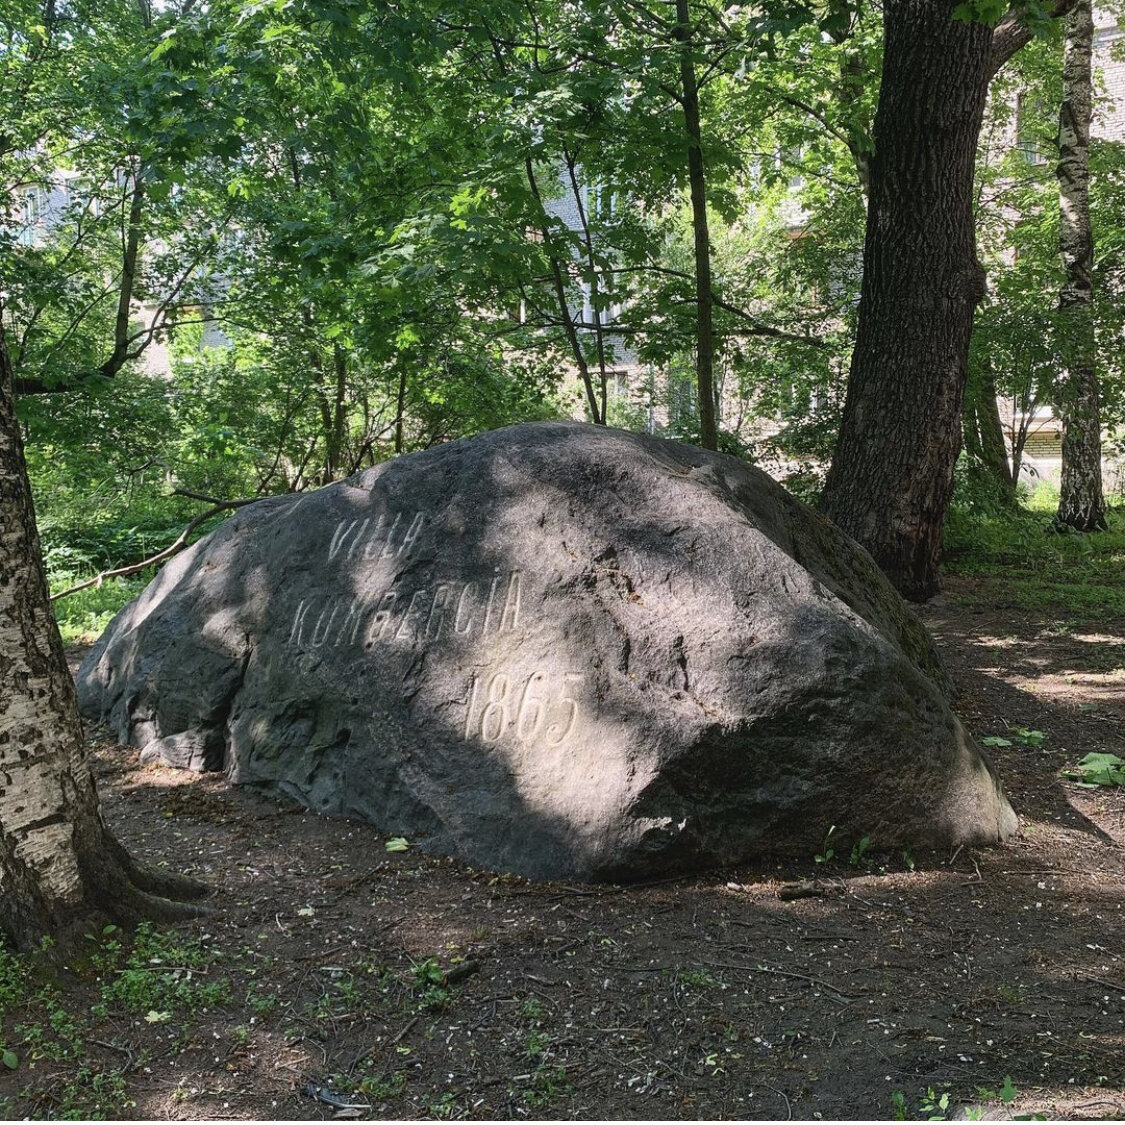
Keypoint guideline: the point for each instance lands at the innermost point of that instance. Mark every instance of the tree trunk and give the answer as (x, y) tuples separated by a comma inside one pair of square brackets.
[(58, 862), (597, 415), (892, 473), (704, 298), (984, 436), (1081, 500)]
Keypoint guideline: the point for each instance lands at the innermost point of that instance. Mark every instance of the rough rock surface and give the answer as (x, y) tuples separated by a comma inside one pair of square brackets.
[(558, 650)]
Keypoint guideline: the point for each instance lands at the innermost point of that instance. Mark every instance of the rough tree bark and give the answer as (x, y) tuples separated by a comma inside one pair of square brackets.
[(892, 473), (58, 861), (1081, 499)]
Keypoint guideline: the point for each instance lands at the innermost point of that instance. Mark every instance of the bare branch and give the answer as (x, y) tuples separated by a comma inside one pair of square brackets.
[(160, 556)]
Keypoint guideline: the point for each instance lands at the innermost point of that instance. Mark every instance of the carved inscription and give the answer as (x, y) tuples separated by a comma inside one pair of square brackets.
[(422, 616), (538, 709), (386, 537)]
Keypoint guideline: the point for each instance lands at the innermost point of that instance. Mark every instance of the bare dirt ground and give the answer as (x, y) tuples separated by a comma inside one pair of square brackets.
[(406, 986)]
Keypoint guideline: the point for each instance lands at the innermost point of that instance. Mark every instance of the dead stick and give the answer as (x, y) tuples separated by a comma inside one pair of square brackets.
[(404, 1032), (780, 973), (1104, 983)]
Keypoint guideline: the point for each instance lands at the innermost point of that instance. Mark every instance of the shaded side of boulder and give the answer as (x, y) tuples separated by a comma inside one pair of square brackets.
[(554, 649)]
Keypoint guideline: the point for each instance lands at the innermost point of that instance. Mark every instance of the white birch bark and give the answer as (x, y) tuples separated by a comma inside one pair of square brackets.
[(58, 862), (1081, 500), (45, 787)]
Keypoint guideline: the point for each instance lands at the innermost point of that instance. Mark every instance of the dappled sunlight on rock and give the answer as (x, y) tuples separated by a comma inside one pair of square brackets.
[(554, 649)]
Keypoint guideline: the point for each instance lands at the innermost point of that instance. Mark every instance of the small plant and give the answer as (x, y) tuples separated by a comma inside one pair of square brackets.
[(1029, 737), (1006, 1094), (445, 1109), (908, 858), (379, 1087), (428, 972), (260, 1001), (826, 850), (13, 980), (696, 978), (898, 1105), (430, 980), (547, 1083), (859, 849), (935, 1107), (531, 1009), (1097, 770), (92, 1096), (535, 1045), (163, 972)]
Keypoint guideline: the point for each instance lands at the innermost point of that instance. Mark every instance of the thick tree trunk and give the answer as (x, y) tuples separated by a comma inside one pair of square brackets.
[(1081, 500), (704, 298), (892, 473), (57, 859)]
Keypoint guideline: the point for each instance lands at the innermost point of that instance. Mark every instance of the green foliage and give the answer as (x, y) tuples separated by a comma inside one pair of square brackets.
[(1024, 567), (1098, 769), (827, 852), (859, 852), (934, 1106), (163, 972), (14, 980), (547, 1084), (430, 983), (83, 616), (379, 1087)]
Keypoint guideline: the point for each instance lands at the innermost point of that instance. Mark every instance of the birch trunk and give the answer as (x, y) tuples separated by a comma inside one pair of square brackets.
[(58, 862), (1081, 500)]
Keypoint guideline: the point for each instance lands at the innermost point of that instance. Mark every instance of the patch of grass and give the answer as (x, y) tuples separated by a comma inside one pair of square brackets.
[(429, 980), (696, 978), (547, 1084), (92, 1095), (379, 1087), (164, 972), (83, 616), (1024, 565)]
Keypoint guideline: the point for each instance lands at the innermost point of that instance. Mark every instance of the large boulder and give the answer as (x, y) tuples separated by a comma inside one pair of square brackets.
[(558, 650)]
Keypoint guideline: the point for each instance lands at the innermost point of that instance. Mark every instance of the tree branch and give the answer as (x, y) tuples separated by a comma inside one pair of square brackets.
[(168, 552), (1012, 32)]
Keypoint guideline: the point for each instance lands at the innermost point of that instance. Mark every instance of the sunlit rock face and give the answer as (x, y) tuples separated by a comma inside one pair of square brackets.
[(554, 649)]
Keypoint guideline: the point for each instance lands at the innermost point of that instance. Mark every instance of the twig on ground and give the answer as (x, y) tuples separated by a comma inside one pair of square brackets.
[(781, 1094), (1103, 983), (780, 973), (404, 1032)]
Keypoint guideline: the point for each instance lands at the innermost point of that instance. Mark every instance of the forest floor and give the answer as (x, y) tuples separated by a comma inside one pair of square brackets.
[(983, 983)]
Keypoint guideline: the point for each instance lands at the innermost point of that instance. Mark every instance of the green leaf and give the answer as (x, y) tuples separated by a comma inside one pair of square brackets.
[(1098, 769), (995, 740), (10, 1059), (397, 844)]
